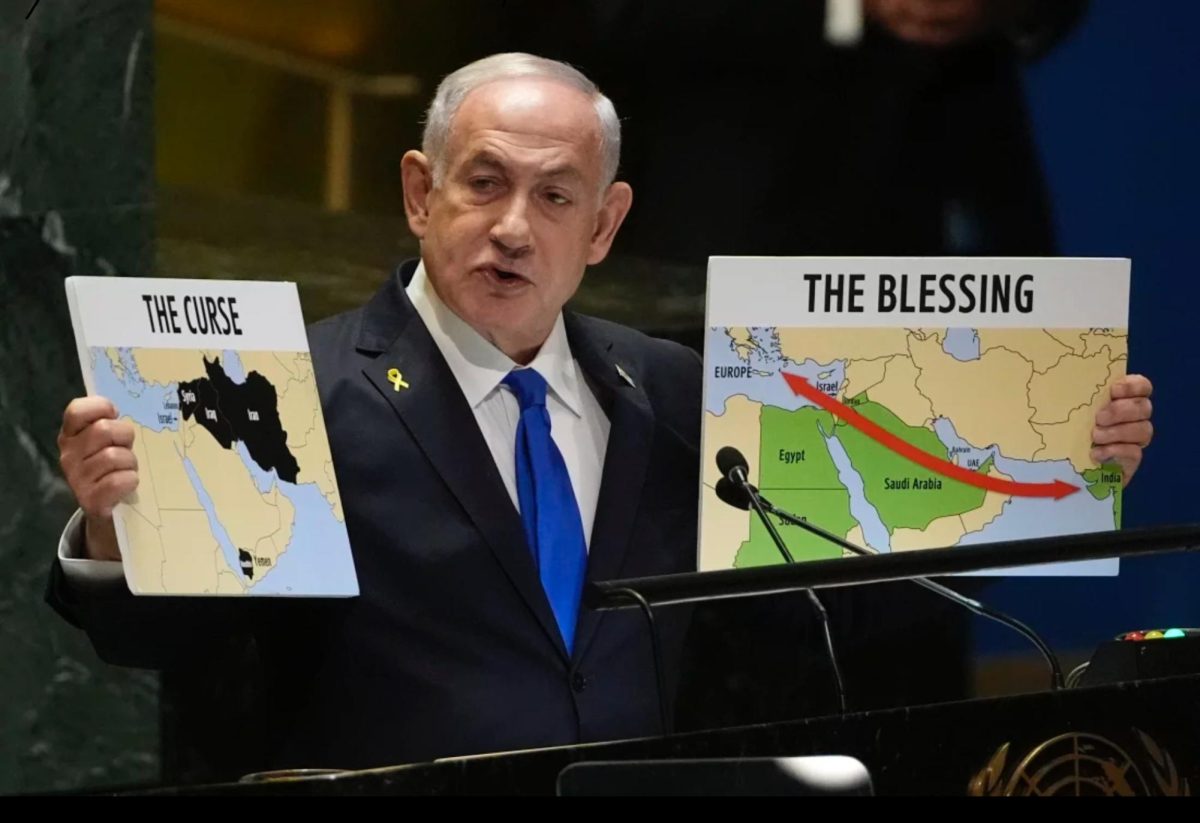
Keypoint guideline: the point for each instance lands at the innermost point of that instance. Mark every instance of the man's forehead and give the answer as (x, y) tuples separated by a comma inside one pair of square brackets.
[(532, 108)]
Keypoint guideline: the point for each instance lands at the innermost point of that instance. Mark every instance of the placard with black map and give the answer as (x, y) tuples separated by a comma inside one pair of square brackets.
[(237, 493)]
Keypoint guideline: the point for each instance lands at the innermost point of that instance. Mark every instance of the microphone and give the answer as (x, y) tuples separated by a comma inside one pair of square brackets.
[(733, 467), (731, 494), (732, 464), (744, 495)]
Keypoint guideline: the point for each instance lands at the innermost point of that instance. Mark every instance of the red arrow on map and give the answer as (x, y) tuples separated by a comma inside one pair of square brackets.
[(1058, 489)]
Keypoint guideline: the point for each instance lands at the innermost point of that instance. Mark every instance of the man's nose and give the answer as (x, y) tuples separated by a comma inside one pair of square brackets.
[(511, 231)]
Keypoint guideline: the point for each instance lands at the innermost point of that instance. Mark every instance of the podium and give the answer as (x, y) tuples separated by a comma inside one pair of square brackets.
[(1136, 737)]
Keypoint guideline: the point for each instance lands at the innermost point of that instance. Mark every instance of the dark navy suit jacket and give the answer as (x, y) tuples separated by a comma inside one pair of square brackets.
[(451, 647)]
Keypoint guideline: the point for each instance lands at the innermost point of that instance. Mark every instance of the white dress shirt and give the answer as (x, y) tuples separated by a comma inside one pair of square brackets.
[(79, 569), (578, 424)]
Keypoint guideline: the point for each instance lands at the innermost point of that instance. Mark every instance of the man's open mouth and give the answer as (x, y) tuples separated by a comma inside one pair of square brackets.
[(506, 276)]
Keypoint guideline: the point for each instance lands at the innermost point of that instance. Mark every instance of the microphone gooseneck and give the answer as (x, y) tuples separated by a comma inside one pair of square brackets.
[(737, 491), (734, 490)]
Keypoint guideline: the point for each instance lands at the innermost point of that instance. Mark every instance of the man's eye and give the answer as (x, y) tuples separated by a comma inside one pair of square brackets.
[(483, 184), (558, 198)]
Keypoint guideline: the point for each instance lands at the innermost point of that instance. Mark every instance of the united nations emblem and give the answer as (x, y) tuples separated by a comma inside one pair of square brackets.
[(1082, 765)]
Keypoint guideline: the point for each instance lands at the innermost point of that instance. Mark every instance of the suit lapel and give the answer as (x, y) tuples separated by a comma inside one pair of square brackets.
[(625, 462), (436, 414)]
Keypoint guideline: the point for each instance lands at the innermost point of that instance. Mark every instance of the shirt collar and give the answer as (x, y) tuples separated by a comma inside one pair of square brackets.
[(479, 366)]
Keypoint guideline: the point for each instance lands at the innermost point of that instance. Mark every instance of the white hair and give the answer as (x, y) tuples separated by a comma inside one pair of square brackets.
[(456, 86)]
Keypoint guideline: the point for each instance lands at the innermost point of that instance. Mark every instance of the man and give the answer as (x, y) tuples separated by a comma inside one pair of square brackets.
[(471, 531)]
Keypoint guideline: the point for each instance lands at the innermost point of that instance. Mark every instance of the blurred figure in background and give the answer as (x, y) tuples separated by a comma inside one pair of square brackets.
[(902, 130)]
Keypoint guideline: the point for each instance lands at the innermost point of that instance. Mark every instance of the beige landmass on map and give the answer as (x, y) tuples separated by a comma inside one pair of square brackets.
[(194, 560), (993, 504), (742, 342), (828, 345), (1037, 346), (1072, 440), (166, 366), (176, 550), (944, 531), (855, 536), (166, 504), (247, 514), (986, 399), (1072, 383), (724, 528), (898, 392), (863, 375), (1115, 340)]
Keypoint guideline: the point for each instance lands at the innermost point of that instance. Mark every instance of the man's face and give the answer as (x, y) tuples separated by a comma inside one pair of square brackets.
[(519, 212)]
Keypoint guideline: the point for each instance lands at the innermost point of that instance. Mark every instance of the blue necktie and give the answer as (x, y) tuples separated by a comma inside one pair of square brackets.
[(549, 510)]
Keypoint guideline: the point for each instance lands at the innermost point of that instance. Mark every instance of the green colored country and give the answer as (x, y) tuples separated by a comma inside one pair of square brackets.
[(1103, 483), (793, 454), (796, 472), (906, 495), (827, 508)]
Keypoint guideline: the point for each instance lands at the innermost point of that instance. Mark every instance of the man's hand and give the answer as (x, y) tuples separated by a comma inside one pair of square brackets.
[(942, 22), (95, 451), (1123, 428)]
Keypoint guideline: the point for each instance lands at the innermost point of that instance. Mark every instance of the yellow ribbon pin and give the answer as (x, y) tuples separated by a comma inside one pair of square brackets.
[(396, 379)]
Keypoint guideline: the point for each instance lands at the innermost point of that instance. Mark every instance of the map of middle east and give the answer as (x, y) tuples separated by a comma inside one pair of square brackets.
[(909, 438), (237, 493)]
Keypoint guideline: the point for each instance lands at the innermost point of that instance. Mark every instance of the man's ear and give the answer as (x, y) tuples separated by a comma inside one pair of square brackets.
[(617, 201), (416, 174)]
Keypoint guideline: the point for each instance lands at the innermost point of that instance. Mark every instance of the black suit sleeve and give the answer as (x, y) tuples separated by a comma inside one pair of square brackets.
[(143, 632)]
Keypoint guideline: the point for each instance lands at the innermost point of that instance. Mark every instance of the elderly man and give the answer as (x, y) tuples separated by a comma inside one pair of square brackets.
[(532, 449)]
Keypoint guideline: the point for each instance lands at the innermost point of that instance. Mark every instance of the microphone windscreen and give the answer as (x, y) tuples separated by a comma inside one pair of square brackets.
[(732, 494), (729, 458)]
